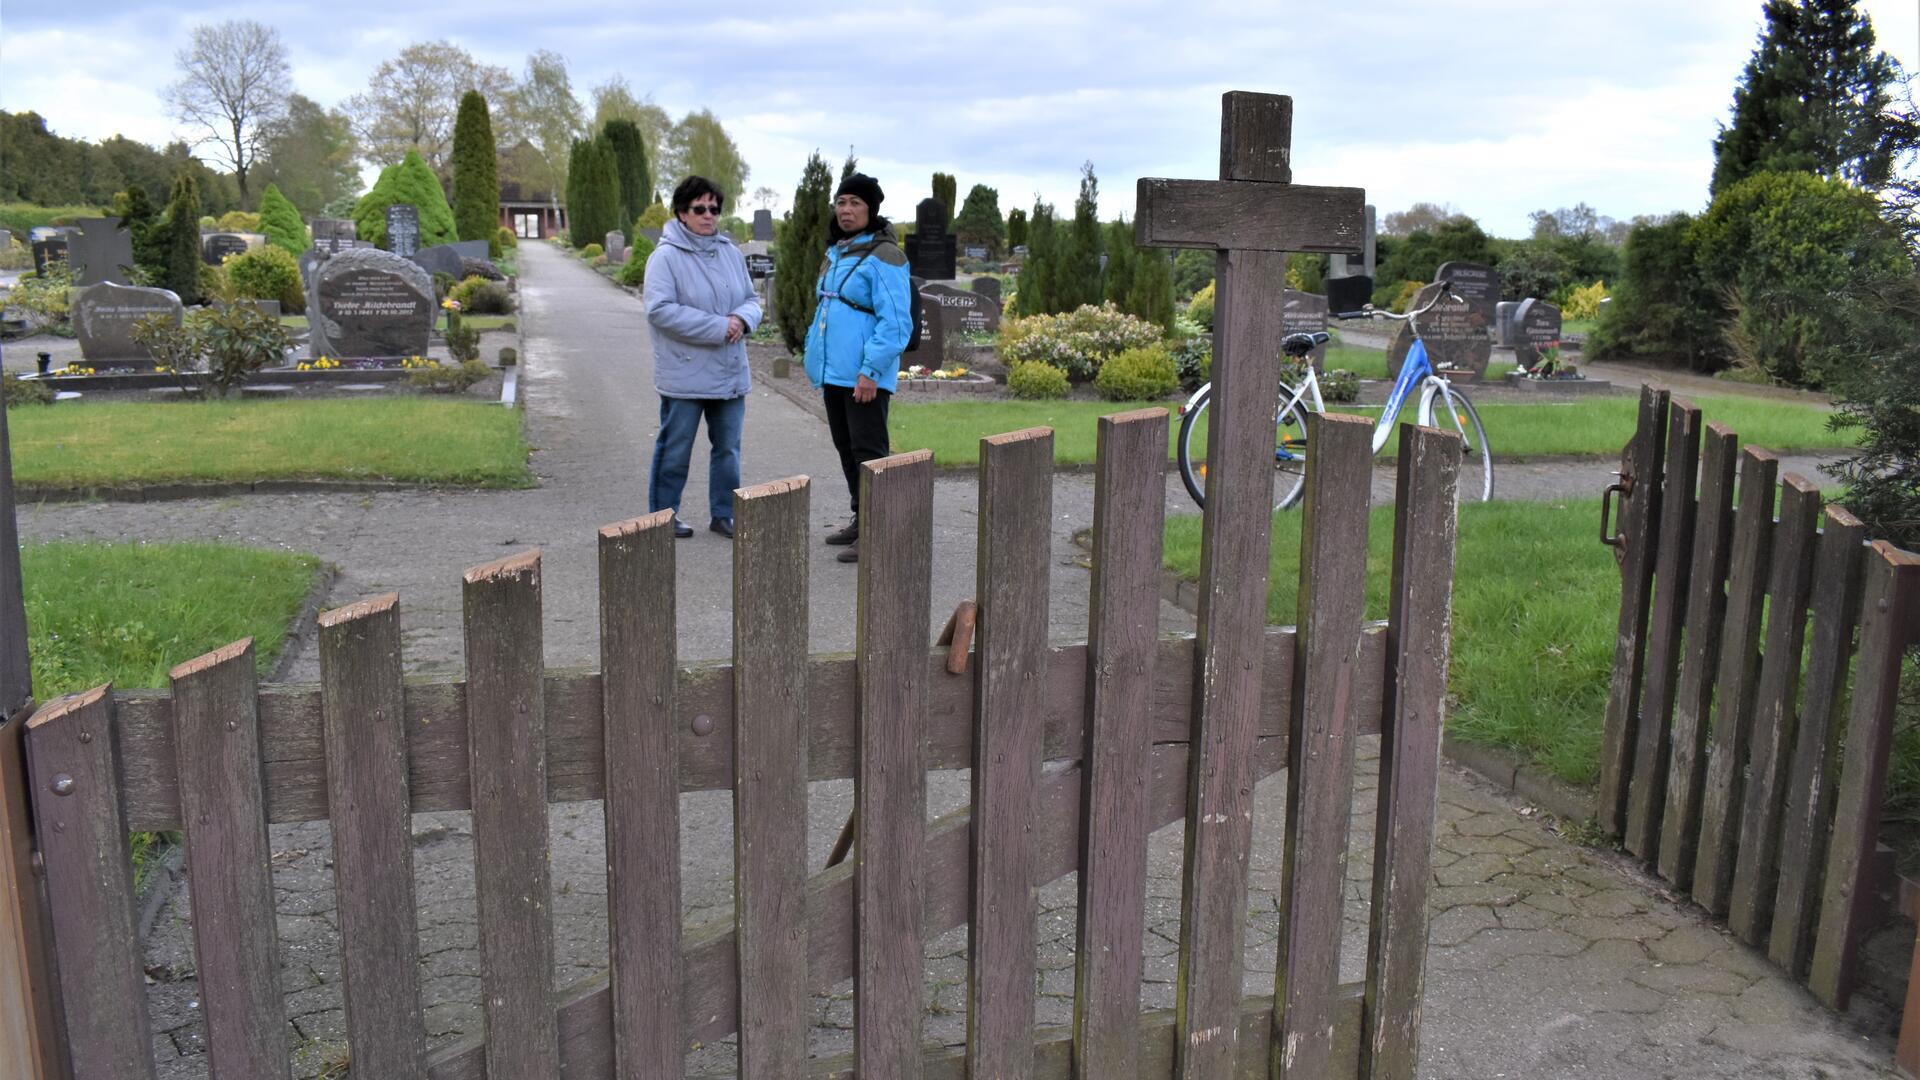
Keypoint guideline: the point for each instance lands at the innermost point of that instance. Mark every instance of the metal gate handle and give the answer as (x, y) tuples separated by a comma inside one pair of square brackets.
[(1625, 488)]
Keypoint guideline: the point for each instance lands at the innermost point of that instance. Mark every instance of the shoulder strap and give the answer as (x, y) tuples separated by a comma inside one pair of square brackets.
[(865, 253)]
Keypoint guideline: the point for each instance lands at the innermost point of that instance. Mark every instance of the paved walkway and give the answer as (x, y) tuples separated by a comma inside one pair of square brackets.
[(1548, 959)]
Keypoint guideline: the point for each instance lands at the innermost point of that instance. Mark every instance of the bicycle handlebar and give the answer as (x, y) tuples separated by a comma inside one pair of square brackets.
[(1370, 312)]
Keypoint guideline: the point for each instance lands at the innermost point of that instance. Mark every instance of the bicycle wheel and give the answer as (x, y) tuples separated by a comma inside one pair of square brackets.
[(1289, 453), (1476, 461)]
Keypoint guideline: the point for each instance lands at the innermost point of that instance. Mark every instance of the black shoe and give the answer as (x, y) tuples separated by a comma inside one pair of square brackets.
[(681, 530), (723, 526), (847, 534), (852, 554)]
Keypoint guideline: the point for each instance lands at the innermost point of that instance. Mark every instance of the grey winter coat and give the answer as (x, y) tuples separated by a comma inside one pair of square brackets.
[(693, 284)]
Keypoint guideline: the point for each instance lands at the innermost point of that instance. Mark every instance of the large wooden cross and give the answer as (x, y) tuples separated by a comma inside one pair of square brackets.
[(1252, 216)]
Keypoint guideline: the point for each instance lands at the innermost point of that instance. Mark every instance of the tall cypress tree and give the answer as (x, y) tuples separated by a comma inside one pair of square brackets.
[(636, 176), (1079, 276), (1037, 292), (593, 192), (1151, 296), (946, 189), (978, 222), (476, 172), (577, 202), (1814, 98), (1117, 281), (281, 222), (1016, 228), (183, 238), (802, 242)]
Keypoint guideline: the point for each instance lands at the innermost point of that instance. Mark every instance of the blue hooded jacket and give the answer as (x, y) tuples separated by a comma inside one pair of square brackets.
[(843, 342)]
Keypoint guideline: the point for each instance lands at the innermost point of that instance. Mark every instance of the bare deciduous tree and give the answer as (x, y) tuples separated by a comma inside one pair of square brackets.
[(412, 99), (233, 84)]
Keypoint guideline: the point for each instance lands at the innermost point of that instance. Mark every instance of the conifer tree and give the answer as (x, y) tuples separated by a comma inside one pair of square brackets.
[(946, 189), (802, 243), (1814, 98), (978, 222), (636, 175), (1151, 296), (476, 172), (411, 183), (183, 238), (281, 222), (1016, 228), (1117, 281), (1037, 292), (1078, 280)]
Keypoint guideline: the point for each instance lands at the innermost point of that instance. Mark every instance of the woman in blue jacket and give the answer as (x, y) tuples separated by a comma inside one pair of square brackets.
[(700, 308), (862, 321)]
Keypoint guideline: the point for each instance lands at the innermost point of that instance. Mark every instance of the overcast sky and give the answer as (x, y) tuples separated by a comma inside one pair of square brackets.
[(1496, 107)]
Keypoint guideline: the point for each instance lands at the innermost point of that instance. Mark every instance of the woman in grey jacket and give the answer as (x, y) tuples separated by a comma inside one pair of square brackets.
[(700, 307)]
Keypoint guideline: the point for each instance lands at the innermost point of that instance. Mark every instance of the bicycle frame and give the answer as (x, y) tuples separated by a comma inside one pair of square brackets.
[(1416, 370)]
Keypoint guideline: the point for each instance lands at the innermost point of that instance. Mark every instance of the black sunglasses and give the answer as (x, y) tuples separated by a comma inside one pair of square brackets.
[(703, 208)]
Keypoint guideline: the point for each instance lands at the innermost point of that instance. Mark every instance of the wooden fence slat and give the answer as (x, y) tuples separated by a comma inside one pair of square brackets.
[(16, 674), (1639, 524), (1846, 896), (507, 755), (1810, 789), (890, 800), (32, 1037), (1648, 794), (1419, 637), (642, 805), (1016, 534), (229, 875), (1332, 600), (1776, 711), (1737, 682), (1235, 535), (76, 800), (770, 795), (1129, 505), (710, 977), (362, 683), (1700, 656)]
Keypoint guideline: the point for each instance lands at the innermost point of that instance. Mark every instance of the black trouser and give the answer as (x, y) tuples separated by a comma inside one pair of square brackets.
[(859, 432)]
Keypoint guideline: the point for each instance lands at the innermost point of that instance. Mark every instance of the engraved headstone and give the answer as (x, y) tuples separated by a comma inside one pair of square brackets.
[(930, 250), (403, 229), (450, 259), (960, 309), (332, 235), (615, 247), (1341, 265), (988, 287), (103, 318), (933, 328), (1474, 282), (52, 249), (1503, 322), (1305, 313), (763, 225), (367, 302), (977, 251), (1455, 334), (216, 247), (1536, 325), (760, 264), (1020, 251), (102, 251), (1349, 293)]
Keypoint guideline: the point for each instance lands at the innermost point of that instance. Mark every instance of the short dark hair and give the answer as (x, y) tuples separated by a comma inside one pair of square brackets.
[(692, 188)]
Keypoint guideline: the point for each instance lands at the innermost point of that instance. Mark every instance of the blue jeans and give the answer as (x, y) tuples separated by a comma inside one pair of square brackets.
[(679, 422)]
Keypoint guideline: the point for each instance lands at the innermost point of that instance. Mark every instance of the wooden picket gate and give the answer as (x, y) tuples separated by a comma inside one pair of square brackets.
[(1077, 752), (1735, 760)]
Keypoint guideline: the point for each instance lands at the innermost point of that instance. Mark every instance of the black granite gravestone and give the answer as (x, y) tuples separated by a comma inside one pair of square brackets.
[(403, 229), (1305, 313), (1455, 334), (931, 248), (367, 302), (101, 251), (1536, 325)]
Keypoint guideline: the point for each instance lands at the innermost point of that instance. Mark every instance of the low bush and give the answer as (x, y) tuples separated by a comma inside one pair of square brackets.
[(448, 378), (267, 273), (1584, 301), (1147, 374), (463, 341), (1033, 381), (1077, 342), (633, 272), (238, 221), (478, 296), (480, 268), (592, 251), (213, 280), (30, 392), (1193, 360), (503, 238), (1200, 308), (1340, 386)]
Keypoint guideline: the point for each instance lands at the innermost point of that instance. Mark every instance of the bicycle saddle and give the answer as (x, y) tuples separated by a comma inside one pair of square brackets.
[(1302, 344)]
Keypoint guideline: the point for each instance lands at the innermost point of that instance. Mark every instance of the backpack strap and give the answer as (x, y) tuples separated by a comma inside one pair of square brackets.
[(865, 253)]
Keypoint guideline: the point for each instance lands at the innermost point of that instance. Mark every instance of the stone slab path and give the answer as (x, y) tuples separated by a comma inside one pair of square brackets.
[(1548, 959)]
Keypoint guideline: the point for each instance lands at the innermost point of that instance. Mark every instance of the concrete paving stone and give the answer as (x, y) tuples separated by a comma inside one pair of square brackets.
[(1613, 903), (1741, 960), (1598, 929), (1555, 903), (1475, 869), (1689, 981), (1447, 896), (1484, 823), (1769, 1000), (1601, 987), (1457, 925), (1520, 916), (1496, 944), (317, 998)]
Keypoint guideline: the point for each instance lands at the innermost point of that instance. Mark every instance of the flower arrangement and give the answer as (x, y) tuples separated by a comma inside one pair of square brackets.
[(73, 369), (325, 363), (1549, 365), (419, 363), (921, 371)]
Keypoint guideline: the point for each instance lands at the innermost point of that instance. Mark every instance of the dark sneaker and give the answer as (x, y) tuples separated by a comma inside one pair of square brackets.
[(847, 534), (723, 526), (681, 530), (852, 554)]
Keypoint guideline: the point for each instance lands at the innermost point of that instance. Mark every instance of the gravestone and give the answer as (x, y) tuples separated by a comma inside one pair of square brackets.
[(1305, 313), (52, 249), (1349, 293), (367, 302), (102, 251), (763, 225), (1536, 325), (988, 287), (309, 259), (1474, 282), (933, 328), (103, 318), (216, 247), (1455, 334), (930, 250), (960, 309), (403, 229), (331, 235), (652, 235), (977, 251), (1503, 322), (1339, 265), (450, 259), (759, 264), (615, 247)]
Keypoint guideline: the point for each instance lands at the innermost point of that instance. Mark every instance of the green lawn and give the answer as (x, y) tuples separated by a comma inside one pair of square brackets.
[(127, 613), (421, 440), (1536, 602), (1596, 427)]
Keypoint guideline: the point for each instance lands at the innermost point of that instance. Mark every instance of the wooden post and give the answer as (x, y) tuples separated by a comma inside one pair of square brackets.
[(1639, 523), (15, 672), (1251, 216)]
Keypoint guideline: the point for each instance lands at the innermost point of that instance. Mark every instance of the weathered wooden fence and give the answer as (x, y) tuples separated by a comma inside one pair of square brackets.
[(1740, 759)]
